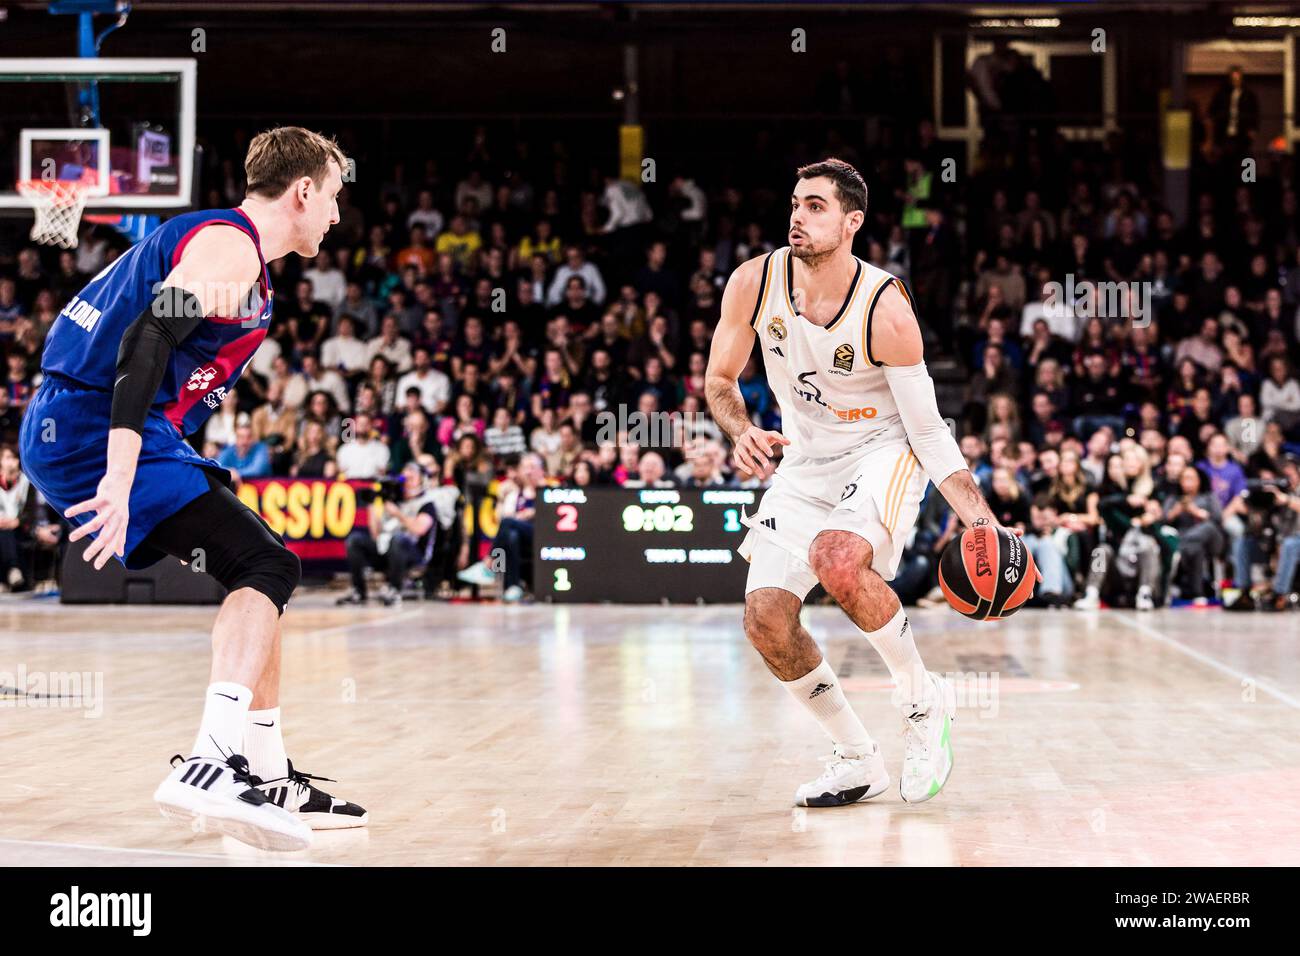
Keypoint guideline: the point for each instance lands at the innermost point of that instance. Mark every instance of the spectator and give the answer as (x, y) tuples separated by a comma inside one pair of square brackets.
[(1074, 499), (425, 215), (1279, 395), (10, 420), (542, 242), (464, 421), (516, 508), (18, 379), (418, 253), (460, 242), (344, 353), (391, 346), (1041, 538), (473, 348), (505, 438), (320, 408), (1282, 595), (399, 535), (650, 473), (247, 457), (364, 456), (575, 264), (275, 424), (545, 439), (317, 379), (1203, 348), (328, 283), (313, 455), (702, 468), (15, 499), (220, 428), (1195, 515), (433, 386), (1128, 562), (415, 440), (362, 311)]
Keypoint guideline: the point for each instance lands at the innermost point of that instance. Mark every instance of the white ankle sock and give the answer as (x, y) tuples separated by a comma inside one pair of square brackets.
[(264, 745), (821, 695), (894, 644), (222, 731)]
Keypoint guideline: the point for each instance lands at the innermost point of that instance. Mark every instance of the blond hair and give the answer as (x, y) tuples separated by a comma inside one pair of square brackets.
[(277, 157)]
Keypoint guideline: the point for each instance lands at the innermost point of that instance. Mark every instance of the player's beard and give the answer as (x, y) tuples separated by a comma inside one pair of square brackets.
[(813, 255)]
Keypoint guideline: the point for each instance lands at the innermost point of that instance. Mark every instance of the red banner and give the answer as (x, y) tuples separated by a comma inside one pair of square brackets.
[(316, 515), (313, 515)]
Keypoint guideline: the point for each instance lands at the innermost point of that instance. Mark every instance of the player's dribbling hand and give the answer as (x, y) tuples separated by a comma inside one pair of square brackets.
[(110, 506), (753, 454)]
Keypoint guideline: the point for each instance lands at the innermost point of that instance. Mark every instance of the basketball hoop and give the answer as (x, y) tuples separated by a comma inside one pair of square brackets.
[(58, 204)]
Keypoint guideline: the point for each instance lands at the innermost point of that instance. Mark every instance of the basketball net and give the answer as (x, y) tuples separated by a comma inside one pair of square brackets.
[(58, 204)]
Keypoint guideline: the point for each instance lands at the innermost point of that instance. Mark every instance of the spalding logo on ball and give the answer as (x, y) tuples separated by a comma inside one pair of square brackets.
[(987, 573)]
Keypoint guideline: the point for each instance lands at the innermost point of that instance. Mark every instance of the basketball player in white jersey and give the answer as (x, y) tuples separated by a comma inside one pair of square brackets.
[(861, 433)]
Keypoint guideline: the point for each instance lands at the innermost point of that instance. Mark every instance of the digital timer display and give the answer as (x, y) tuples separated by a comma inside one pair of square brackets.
[(643, 546)]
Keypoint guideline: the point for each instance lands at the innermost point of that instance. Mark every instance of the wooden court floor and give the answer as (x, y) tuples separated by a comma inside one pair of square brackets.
[(616, 735)]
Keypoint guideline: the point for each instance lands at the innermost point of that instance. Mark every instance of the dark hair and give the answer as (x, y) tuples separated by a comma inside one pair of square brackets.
[(850, 187)]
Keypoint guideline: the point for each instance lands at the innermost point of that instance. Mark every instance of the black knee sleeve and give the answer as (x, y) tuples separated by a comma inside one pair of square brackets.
[(220, 535), (272, 569)]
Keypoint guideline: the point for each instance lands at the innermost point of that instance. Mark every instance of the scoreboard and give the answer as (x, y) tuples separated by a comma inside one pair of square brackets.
[(646, 546)]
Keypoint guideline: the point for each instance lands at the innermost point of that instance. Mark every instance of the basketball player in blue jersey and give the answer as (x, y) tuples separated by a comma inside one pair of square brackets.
[(137, 361)]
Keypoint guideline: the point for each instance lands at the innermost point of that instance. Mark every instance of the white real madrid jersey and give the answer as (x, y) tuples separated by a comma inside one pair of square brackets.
[(833, 395)]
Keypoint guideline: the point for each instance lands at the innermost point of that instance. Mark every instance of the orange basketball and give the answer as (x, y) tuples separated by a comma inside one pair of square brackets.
[(987, 573)]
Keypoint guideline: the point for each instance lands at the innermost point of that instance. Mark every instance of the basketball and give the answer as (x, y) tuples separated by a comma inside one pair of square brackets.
[(987, 573)]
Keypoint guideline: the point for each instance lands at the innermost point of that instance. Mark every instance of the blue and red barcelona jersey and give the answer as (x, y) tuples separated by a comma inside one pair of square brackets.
[(83, 342)]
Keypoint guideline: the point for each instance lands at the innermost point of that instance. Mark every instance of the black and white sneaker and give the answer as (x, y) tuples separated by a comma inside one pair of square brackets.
[(313, 806), (351, 599), (848, 778), (212, 795)]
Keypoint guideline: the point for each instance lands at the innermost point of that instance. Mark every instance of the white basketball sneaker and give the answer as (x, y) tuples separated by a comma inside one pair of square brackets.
[(213, 795), (846, 779), (313, 806), (927, 733)]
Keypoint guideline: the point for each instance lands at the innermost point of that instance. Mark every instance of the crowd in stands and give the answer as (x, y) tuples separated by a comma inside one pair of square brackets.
[(469, 326)]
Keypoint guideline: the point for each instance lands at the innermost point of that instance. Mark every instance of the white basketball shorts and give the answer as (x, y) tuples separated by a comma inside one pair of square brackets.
[(874, 494)]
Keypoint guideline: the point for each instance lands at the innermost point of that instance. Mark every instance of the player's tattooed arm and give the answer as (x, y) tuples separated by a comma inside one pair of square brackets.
[(963, 495), (896, 343), (732, 345)]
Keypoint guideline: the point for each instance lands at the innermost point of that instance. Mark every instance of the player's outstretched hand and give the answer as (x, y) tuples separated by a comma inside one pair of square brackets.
[(753, 454), (111, 508)]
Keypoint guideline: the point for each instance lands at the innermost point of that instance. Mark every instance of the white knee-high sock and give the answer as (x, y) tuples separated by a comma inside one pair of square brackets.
[(264, 744), (222, 731), (820, 693), (894, 644)]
